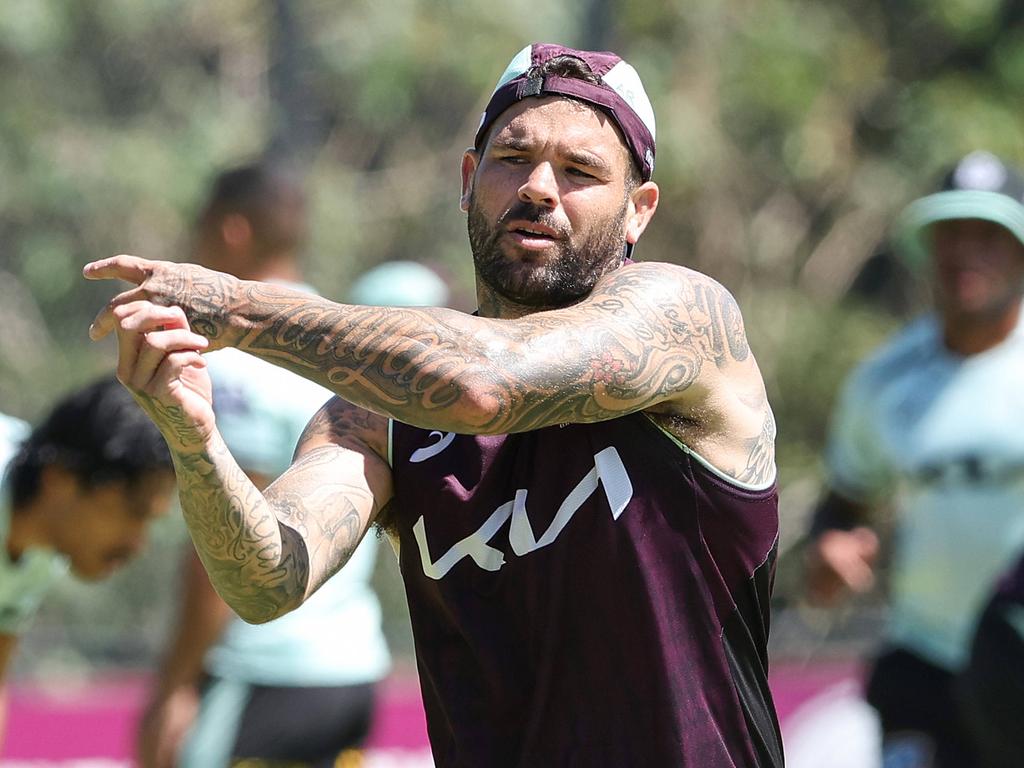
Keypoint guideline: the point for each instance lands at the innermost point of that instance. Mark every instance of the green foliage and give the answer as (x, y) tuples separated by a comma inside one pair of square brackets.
[(790, 134)]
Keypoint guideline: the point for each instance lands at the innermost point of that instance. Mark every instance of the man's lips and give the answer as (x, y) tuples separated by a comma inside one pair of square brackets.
[(529, 234)]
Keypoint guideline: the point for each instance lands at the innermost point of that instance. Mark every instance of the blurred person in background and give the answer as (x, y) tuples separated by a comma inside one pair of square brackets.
[(581, 477), (298, 690), (79, 491), (933, 423)]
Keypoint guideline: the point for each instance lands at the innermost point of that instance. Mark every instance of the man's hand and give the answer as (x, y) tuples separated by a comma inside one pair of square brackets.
[(159, 363), (839, 562), (205, 296), (164, 725)]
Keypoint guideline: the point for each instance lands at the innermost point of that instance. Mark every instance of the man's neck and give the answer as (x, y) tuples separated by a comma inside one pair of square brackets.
[(491, 304), (970, 335)]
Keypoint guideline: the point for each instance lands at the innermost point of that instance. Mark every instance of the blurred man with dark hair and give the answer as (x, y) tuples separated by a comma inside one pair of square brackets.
[(299, 689), (79, 491), (933, 422)]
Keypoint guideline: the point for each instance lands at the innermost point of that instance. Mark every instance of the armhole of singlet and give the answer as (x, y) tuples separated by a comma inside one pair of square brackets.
[(712, 468), (391, 445), (392, 539)]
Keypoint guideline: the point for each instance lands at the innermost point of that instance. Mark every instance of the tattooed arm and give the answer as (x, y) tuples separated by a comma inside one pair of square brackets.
[(265, 552), (652, 337)]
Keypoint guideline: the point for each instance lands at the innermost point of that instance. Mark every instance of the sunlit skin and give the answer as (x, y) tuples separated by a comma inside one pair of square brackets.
[(539, 196), (550, 192), (978, 277)]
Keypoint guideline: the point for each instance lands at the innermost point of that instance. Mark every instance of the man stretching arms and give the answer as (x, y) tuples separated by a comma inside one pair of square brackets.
[(580, 480)]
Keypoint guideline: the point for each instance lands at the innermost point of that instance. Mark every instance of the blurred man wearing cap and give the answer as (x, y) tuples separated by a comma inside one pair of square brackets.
[(301, 689), (580, 479), (931, 422), (79, 492)]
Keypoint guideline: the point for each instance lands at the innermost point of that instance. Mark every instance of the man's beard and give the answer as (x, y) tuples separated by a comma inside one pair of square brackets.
[(567, 275)]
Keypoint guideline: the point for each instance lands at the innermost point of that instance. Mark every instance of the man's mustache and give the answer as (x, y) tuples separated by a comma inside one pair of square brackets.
[(535, 214)]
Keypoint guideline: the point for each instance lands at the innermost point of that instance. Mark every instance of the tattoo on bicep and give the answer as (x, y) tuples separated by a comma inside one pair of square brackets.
[(329, 516), (338, 419)]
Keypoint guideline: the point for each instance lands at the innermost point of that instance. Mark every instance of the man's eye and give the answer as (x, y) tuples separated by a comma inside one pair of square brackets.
[(580, 173), (512, 159)]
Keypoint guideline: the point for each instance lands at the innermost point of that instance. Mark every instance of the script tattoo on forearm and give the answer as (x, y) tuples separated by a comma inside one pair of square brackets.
[(265, 553), (629, 346), (625, 349), (172, 422), (258, 566)]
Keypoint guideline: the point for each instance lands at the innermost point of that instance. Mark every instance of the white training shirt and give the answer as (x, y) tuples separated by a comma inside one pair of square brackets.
[(942, 435)]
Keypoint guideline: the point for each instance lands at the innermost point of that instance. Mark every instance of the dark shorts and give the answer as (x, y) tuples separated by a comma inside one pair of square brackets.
[(992, 690), (920, 717), (282, 727)]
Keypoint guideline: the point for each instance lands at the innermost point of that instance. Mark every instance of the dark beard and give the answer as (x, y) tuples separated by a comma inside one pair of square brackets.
[(565, 279)]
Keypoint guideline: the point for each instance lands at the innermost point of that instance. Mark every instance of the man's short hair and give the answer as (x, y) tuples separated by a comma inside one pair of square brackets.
[(98, 433), (269, 196)]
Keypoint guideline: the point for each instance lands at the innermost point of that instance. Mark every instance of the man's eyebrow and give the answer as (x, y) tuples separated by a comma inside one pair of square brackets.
[(572, 154), (515, 143), (582, 157)]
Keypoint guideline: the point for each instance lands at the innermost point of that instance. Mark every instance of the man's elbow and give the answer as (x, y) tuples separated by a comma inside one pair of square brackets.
[(261, 612)]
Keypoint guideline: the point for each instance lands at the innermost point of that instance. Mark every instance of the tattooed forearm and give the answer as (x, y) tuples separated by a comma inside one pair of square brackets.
[(265, 553), (258, 566), (646, 334)]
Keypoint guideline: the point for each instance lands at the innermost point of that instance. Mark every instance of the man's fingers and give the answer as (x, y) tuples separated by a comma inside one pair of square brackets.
[(144, 316), (867, 540), (105, 321), (122, 267), (157, 346), (146, 333)]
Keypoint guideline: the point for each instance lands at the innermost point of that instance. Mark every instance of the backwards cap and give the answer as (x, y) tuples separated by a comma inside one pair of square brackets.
[(980, 186), (619, 94)]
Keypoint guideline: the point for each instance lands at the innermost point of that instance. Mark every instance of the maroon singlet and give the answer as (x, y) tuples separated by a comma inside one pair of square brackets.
[(586, 595)]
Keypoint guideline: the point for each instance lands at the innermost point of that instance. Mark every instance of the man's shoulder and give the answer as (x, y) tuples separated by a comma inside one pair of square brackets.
[(662, 281), (660, 270)]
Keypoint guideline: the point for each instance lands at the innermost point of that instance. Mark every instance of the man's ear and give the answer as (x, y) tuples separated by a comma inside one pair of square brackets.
[(58, 484), (470, 160), (643, 201), (236, 231)]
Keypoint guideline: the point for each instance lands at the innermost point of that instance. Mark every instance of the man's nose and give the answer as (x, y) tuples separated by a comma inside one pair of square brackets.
[(540, 187)]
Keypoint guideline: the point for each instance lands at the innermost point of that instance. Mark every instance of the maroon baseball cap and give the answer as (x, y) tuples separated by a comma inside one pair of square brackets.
[(619, 94)]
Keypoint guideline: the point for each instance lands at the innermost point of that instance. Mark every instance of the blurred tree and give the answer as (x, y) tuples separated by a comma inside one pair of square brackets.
[(790, 134)]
